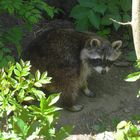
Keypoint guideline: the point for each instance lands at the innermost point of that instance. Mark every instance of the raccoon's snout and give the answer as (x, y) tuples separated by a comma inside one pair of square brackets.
[(103, 71)]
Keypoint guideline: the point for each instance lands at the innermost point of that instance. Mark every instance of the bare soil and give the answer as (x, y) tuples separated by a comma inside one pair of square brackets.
[(116, 100)]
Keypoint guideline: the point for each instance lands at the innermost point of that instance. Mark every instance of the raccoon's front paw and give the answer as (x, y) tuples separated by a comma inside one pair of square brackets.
[(75, 108), (89, 93)]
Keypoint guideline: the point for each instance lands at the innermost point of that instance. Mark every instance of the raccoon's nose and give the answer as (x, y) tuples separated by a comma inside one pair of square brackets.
[(103, 71)]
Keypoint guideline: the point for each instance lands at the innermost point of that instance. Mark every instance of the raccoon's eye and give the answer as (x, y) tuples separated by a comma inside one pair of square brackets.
[(95, 62)]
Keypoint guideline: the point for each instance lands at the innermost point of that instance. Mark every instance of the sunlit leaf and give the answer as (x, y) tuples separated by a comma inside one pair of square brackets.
[(16, 72), (37, 75), (133, 77), (18, 66), (44, 75), (121, 125), (52, 99), (37, 84), (28, 98)]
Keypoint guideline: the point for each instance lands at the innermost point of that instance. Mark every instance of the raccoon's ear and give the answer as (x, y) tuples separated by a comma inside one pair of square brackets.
[(117, 44), (95, 43)]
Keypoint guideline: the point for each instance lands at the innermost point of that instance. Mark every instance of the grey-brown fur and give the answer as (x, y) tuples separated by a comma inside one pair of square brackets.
[(62, 52)]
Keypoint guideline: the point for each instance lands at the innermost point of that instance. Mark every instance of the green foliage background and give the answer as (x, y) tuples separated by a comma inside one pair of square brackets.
[(29, 12), (97, 13)]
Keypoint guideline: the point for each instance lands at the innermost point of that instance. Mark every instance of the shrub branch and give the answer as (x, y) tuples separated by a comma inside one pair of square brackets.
[(122, 23)]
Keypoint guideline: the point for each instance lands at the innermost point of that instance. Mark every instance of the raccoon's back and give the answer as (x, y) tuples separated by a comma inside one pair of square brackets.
[(55, 49)]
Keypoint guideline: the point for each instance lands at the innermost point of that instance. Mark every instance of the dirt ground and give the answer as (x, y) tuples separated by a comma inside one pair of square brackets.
[(116, 100)]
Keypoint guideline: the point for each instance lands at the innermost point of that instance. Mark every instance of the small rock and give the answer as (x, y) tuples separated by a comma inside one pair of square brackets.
[(80, 137), (105, 136), (126, 110)]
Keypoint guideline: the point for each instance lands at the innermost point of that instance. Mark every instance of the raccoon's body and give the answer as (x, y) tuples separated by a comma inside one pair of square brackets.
[(69, 57)]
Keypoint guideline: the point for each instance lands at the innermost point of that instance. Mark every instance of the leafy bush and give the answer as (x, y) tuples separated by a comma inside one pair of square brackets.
[(96, 13), (25, 113), (29, 12), (127, 131)]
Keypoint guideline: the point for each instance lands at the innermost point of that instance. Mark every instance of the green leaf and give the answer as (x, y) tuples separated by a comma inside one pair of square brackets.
[(131, 56), (105, 20), (18, 66), (28, 98), (22, 63), (6, 50), (27, 64), (17, 32), (34, 130), (113, 7), (63, 132), (133, 131), (34, 108), (50, 11), (51, 110), (10, 58), (20, 127), (119, 135), (37, 84), (133, 77), (37, 75), (104, 33), (79, 12), (38, 93), (94, 19), (100, 8), (1, 55), (10, 10), (126, 17), (121, 125), (126, 5), (138, 95), (44, 75), (82, 24), (33, 19), (17, 73), (17, 4), (43, 104), (52, 99), (50, 119), (21, 93), (6, 91), (24, 73), (45, 81), (87, 3)]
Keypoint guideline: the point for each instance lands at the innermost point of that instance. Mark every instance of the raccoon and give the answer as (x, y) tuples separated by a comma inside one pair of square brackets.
[(70, 57)]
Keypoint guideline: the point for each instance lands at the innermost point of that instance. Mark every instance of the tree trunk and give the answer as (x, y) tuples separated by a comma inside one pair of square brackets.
[(136, 26)]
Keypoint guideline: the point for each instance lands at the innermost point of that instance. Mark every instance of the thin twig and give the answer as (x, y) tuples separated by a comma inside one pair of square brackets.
[(122, 23)]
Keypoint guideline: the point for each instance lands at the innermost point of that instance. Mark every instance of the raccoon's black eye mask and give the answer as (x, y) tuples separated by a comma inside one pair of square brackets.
[(100, 62)]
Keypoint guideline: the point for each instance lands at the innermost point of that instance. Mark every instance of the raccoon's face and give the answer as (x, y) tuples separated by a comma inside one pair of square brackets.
[(101, 54)]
